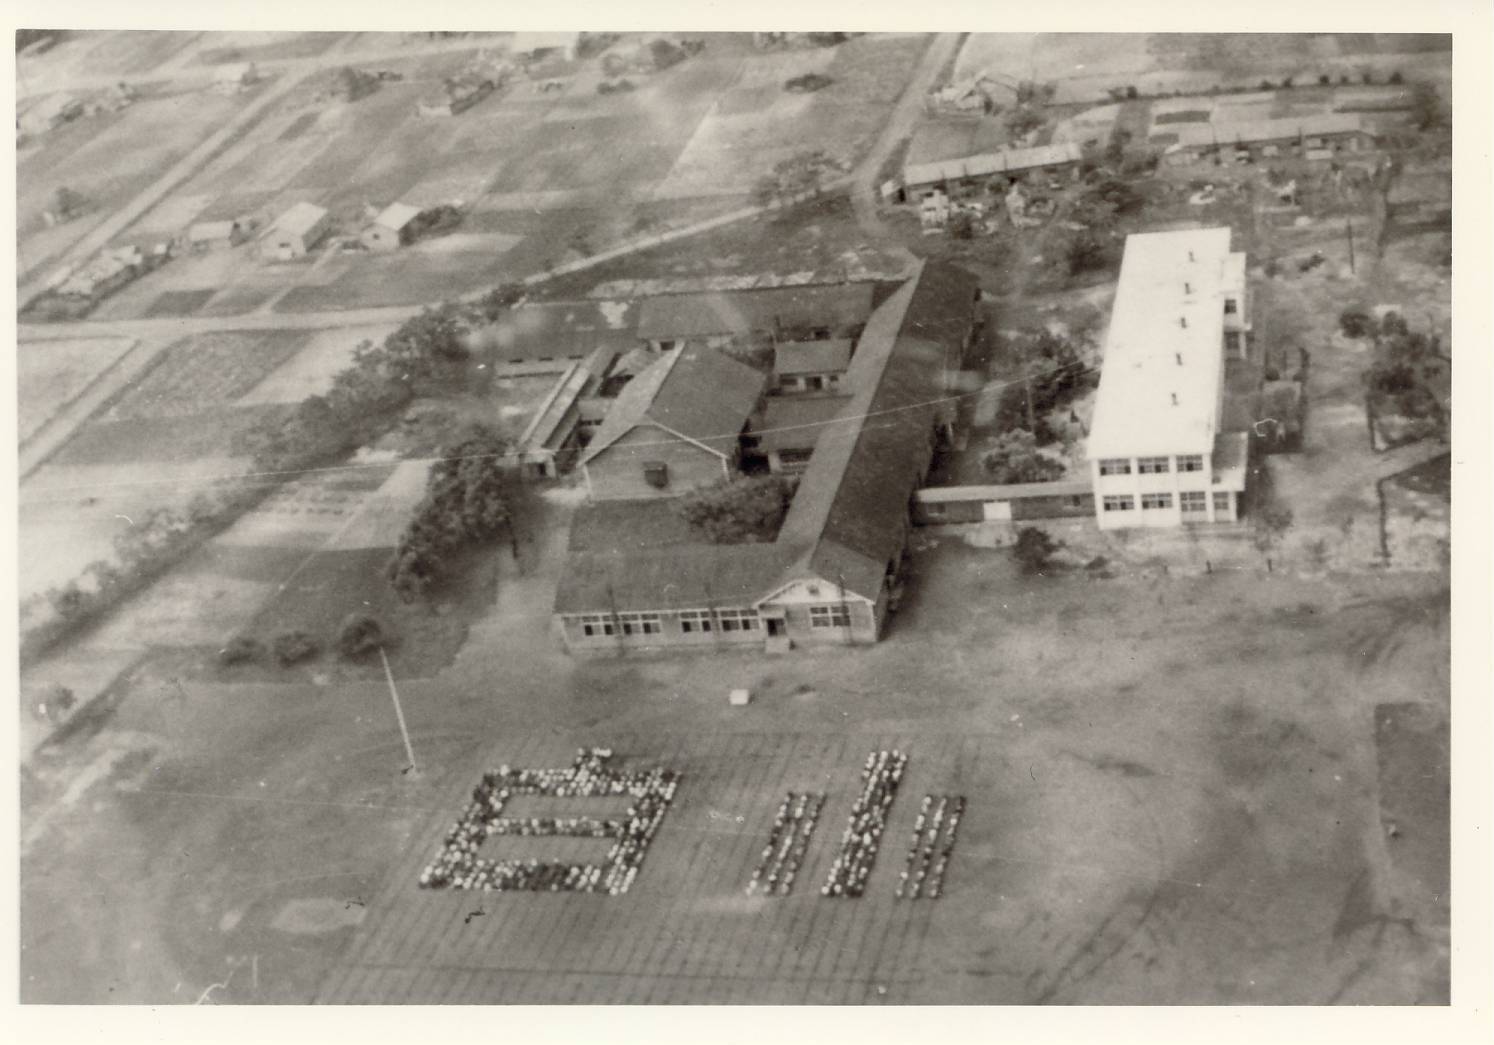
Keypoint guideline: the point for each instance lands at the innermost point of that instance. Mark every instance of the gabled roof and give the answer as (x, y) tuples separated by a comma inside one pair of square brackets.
[(1004, 161), (811, 357), (1240, 132), (795, 422), (690, 576), (397, 215), (696, 393), (300, 219), (673, 316), (850, 513)]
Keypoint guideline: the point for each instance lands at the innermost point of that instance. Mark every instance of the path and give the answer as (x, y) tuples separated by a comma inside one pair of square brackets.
[(899, 126)]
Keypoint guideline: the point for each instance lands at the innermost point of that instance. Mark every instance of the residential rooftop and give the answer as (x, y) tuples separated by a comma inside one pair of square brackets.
[(837, 306)]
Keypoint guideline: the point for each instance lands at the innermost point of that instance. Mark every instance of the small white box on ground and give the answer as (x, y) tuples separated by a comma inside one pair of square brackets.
[(740, 698)]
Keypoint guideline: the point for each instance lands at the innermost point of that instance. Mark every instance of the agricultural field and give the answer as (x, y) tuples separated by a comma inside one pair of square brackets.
[(108, 159), (51, 374)]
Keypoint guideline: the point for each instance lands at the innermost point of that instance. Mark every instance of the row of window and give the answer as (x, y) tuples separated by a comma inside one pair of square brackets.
[(1151, 465), (1188, 501), (691, 621), (835, 616)]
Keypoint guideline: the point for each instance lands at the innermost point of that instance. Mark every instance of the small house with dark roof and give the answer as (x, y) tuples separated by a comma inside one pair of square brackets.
[(675, 427), (811, 366)]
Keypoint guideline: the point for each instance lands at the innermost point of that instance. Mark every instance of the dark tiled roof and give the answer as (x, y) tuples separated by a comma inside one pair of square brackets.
[(795, 421), (811, 357), (698, 393), (838, 306), (693, 576), (850, 512), (622, 526), (559, 330)]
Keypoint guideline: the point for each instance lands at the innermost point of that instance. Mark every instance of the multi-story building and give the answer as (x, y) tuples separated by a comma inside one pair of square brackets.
[(1157, 454)]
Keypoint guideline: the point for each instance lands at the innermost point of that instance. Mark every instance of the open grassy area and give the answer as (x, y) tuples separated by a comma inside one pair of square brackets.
[(1145, 821)]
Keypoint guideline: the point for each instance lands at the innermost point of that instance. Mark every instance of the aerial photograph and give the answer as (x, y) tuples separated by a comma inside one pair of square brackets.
[(734, 518)]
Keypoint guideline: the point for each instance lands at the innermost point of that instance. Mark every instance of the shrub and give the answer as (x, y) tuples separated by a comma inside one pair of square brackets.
[(1034, 549), (1325, 80), (1393, 324), (292, 647), (359, 634), (739, 511), (1396, 78), (241, 650), (1013, 458), (1355, 322)]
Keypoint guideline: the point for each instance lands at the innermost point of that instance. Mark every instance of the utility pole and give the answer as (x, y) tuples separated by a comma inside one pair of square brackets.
[(1349, 232), (399, 712)]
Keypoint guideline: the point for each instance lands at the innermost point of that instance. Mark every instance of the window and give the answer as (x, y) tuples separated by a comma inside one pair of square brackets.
[(838, 616), (1119, 503), (1193, 501), (1115, 466), (1156, 500), (694, 622), (639, 623), (814, 383), (1191, 463), (1221, 502), (656, 474), (1231, 306), (594, 624), (794, 456), (737, 620), (1151, 465)]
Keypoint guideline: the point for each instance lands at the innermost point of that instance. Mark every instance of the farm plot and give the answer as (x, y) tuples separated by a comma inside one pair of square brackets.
[(108, 159), (311, 369), (757, 123), (51, 374), (199, 373)]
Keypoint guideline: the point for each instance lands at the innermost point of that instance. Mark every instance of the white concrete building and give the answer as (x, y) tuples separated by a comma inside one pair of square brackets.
[(1157, 455)]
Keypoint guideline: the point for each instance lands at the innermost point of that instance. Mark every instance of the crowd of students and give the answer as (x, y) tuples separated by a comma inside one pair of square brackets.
[(863, 835), (787, 843), (458, 865), (933, 842)]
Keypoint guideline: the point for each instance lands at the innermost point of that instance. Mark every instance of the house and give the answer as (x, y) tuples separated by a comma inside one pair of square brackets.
[(103, 275), (234, 77), (392, 229), (833, 573), (456, 95), (675, 427), (787, 428), (1158, 456), (556, 434), (933, 209), (1317, 137), (1013, 502), (533, 46), (963, 173), (810, 366), (724, 318), (204, 236), (295, 233), (972, 94)]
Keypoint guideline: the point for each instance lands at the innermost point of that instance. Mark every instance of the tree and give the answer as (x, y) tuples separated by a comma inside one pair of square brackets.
[(1014, 458), (1427, 111), (1034, 549), (423, 343), (66, 203), (1271, 523), (1023, 120), (1355, 322), (961, 225), (292, 647), (358, 634), (739, 511), (665, 54)]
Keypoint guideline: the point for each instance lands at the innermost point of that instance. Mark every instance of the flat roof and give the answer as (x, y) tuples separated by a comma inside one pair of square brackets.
[(1164, 351)]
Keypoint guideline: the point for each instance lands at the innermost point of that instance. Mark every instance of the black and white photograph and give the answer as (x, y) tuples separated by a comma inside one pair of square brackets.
[(717, 517)]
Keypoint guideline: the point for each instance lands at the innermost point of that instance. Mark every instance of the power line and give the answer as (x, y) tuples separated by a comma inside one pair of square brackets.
[(280, 476)]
